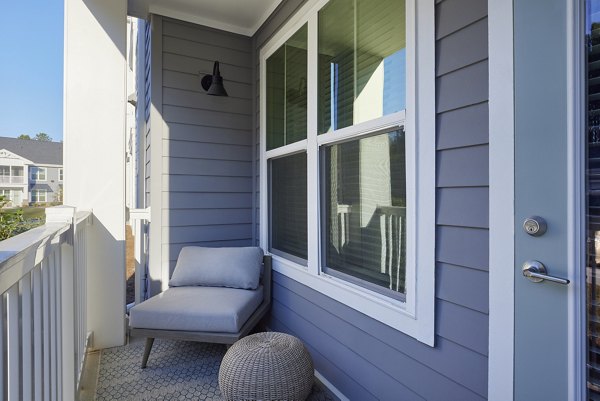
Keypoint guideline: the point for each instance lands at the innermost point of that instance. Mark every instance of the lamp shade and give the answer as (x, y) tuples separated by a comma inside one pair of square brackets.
[(213, 84)]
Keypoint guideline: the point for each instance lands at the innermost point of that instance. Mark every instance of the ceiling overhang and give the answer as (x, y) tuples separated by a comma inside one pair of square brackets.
[(242, 17)]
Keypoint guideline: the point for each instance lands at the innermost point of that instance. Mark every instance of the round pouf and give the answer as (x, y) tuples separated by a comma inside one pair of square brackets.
[(266, 366)]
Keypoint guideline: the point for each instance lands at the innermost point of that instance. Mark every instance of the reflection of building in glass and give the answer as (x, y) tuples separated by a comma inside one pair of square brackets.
[(593, 199)]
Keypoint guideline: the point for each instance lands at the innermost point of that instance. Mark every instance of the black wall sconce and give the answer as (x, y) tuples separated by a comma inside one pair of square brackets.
[(213, 84)]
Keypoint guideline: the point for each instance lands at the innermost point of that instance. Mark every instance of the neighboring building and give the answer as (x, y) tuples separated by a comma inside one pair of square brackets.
[(31, 172)]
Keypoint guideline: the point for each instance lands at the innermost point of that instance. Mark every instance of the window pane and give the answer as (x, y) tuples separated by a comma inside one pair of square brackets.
[(365, 210), (362, 61), (286, 92), (288, 205)]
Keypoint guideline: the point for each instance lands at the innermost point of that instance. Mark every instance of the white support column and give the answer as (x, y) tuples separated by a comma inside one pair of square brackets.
[(26, 196), (94, 151)]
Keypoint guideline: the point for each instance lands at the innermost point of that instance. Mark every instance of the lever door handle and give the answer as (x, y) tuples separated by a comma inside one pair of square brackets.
[(537, 272)]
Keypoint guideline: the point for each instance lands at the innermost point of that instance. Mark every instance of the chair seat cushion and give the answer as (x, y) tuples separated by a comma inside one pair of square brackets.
[(210, 309)]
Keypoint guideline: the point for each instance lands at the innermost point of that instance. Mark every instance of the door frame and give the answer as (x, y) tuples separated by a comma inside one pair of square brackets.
[(501, 203), (502, 199)]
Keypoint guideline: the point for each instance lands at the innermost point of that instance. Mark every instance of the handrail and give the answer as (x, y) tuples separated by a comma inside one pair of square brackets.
[(21, 253)]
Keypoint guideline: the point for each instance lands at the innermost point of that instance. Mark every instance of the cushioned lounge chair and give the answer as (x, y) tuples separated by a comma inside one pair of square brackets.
[(216, 295)]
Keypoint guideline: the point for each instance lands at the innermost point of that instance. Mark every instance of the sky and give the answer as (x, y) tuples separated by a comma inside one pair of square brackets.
[(31, 68)]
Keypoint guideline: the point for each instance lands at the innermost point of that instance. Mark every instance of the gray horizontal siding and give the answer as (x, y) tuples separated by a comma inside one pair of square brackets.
[(185, 132), (462, 246), (191, 81), (467, 85), (207, 142), (400, 358), (208, 167), (362, 357), (463, 127), (463, 167)]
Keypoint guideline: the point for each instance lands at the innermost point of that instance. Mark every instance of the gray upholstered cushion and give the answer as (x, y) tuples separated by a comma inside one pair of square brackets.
[(218, 267), (212, 309)]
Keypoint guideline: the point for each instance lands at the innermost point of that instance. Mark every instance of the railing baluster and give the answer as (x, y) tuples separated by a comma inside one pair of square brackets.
[(3, 380), (59, 335), (37, 333), (399, 260), (46, 324), (382, 222), (53, 329), (13, 343), (391, 249), (27, 324)]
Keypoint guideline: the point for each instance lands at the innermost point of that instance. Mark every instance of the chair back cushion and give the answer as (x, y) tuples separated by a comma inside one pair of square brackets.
[(238, 267)]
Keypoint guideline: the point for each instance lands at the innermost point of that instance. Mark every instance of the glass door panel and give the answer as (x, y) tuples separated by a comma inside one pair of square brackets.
[(592, 36)]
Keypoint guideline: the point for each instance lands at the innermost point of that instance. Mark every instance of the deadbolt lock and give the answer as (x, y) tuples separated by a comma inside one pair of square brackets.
[(535, 226)]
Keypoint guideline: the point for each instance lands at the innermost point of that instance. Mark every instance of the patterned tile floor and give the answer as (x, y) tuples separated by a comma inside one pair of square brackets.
[(177, 370)]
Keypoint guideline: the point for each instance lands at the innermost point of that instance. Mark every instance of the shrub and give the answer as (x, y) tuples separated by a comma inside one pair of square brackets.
[(12, 221)]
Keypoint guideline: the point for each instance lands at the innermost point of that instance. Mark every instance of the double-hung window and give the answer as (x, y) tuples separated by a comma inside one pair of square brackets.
[(38, 195), (38, 173), (348, 156)]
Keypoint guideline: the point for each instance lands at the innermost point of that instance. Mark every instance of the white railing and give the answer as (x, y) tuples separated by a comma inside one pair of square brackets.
[(140, 222), (392, 220), (43, 334), (342, 229), (14, 179)]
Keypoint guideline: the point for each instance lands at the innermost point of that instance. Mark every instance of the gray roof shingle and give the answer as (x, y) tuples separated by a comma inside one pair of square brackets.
[(39, 152)]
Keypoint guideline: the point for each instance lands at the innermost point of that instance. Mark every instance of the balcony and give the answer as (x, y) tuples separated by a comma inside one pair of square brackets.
[(45, 300)]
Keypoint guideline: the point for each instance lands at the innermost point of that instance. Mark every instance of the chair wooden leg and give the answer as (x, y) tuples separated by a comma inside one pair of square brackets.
[(147, 349)]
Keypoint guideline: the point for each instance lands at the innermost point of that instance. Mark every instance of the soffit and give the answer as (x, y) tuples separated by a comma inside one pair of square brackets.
[(238, 16)]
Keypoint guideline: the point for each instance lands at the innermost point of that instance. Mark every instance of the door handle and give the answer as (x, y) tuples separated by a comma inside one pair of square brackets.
[(536, 271)]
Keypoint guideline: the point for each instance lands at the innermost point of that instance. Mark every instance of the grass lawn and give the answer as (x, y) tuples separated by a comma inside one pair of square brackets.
[(34, 213)]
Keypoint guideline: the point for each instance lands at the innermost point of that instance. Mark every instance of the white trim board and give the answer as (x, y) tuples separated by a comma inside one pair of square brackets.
[(502, 198), (330, 386), (576, 202)]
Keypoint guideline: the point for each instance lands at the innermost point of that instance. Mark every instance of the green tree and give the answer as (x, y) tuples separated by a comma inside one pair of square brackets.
[(24, 136), (42, 136)]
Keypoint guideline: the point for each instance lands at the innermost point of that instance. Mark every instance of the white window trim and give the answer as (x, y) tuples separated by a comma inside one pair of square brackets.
[(34, 173), (37, 197), (415, 317)]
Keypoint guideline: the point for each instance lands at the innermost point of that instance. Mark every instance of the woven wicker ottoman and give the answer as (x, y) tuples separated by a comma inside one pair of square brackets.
[(266, 366)]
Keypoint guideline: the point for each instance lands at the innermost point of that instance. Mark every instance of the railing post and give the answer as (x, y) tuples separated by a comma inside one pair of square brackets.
[(66, 303), (139, 219)]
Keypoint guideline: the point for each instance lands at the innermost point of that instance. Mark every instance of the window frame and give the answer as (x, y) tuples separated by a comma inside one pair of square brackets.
[(35, 173), (414, 317), (37, 196)]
